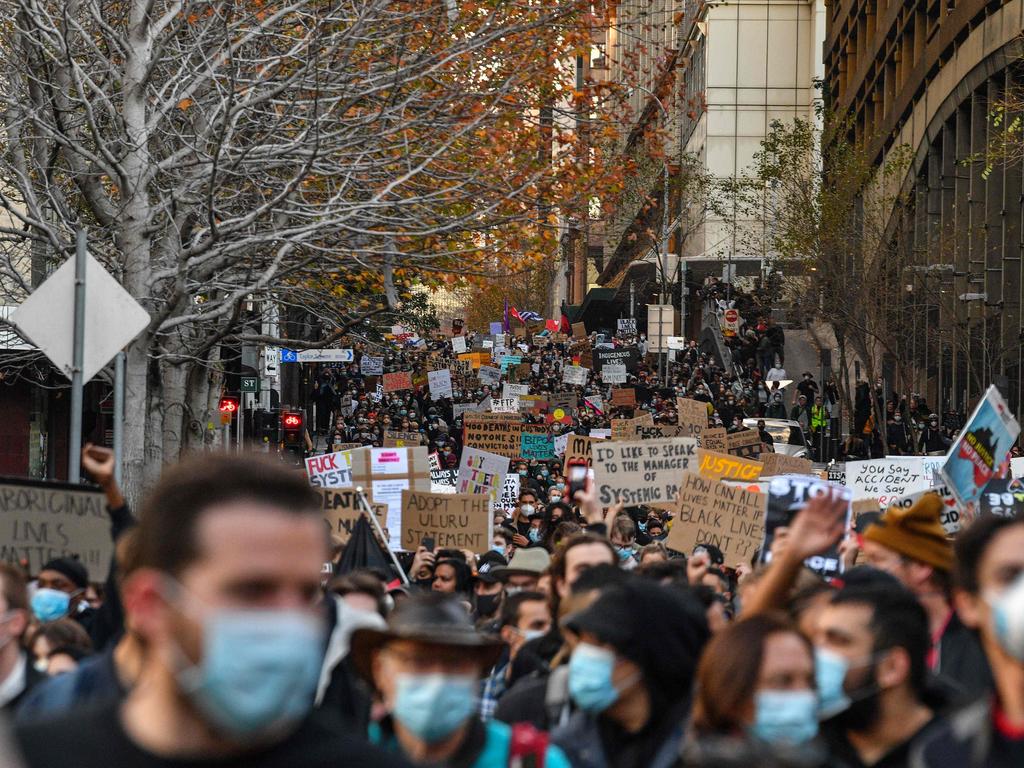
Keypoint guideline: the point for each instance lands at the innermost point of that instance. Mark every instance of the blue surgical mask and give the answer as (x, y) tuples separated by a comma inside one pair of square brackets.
[(535, 535), (590, 678), (50, 604), (1008, 618), (545, 473), (531, 634), (624, 553), (785, 717), (642, 526), (499, 549), (258, 672), (830, 671), (433, 706)]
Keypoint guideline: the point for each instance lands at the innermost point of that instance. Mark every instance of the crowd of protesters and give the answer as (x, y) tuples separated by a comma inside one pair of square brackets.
[(579, 639)]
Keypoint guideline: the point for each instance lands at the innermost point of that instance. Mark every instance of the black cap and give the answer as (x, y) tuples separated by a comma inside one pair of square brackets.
[(488, 561), (75, 572)]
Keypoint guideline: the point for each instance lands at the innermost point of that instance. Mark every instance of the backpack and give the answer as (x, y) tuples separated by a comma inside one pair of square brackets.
[(528, 747)]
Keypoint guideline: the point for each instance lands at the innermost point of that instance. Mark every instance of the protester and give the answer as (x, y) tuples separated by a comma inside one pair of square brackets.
[(425, 666), (18, 672), (524, 617), (225, 598)]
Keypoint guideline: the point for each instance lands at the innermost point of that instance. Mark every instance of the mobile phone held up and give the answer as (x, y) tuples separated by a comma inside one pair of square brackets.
[(576, 473), (428, 543)]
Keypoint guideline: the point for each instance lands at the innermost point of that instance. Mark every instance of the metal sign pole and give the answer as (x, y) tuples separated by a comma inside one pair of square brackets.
[(77, 362), (119, 361), (380, 532)]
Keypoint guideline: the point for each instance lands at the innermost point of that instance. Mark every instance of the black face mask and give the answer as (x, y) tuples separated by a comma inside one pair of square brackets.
[(866, 708), (487, 605)]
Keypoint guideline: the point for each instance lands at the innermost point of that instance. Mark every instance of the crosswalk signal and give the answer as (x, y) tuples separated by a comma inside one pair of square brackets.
[(291, 427)]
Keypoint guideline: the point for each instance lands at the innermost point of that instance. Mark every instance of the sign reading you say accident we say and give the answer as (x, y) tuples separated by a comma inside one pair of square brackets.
[(644, 472)]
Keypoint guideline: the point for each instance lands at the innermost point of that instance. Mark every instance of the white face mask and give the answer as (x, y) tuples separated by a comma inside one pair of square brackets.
[(1007, 609)]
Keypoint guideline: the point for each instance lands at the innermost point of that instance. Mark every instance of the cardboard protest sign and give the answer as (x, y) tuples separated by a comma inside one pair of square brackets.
[(836, 473), (1002, 496), (625, 429), (458, 344), (892, 477), (45, 520), (645, 472), (693, 414), (724, 466), (566, 400), (980, 448), (481, 472), (745, 443), (574, 374), (489, 376), (714, 439), (578, 447), (537, 446), (385, 472), (396, 382), (658, 431), (342, 511), (330, 470), (397, 439), (579, 331), (505, 405), (498, 433), (371, 366), (509, 498), (787, 495), (624, 397), (440, 382), (455, 521), (586, 358), (781, 464), (613, 374), (711, 512)]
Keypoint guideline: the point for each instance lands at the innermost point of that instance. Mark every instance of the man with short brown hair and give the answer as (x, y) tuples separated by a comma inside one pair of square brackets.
[(17, 675)]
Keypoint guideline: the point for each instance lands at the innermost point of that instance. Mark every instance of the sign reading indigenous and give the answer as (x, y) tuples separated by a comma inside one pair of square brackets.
[(43, 520), (629, 357), (711, 512), (723, 466), (499, 433), (453, 520), (644, 472)]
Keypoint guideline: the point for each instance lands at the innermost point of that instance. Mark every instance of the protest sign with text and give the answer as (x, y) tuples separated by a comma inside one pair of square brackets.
[(715, 439), (745, 443), (574, 374), (613, 373), (453, 520), (889, 478), (643, 472), (440, 383), (371, 366), (342, 511), (693, 414), (397, 381), (981, 447), (711, 512), (724, 466), (781, 464), (330, 470), (499, 433), (789, 494), (538, 447), (481, 472)]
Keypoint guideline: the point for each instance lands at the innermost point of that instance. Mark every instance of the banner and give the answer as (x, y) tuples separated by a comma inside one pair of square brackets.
[(46, 520), (342, 511), (499, 433), (481, 472), (693, 414), (440, 383), (624, 397), (787, 496), (626, 356), (396, 382), (539, 447), (454, 521), (371, 366), (711, 512), (723, 466), (647, 472), (330, 470), (781, 464), (980, 448), (575, 375), (613, 374)]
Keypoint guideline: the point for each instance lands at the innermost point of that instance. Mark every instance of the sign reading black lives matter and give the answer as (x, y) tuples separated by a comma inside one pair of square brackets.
[(41, 521), (787, 495), (643, 472)]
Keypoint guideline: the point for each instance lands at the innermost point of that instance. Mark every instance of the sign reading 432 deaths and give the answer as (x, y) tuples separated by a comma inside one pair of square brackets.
[(980, 448)]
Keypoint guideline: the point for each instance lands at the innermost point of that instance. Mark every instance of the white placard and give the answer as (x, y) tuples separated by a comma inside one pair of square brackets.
[(440, 383), (505, 405), (614, 373), (458, 344), (514, 390), (574, 374)]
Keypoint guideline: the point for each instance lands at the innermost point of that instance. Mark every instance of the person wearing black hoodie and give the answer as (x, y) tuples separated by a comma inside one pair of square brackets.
[(631, 676)]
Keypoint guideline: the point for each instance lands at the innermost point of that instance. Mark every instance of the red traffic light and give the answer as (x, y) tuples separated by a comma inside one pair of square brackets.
[(228, 405), (291, 420)]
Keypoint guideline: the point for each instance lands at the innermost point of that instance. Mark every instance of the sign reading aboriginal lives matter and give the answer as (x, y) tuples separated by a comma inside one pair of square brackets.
[(644, 472), (724, 466), (453, 520), (342, 511), (42, 521), (712, 512), (499, 433)]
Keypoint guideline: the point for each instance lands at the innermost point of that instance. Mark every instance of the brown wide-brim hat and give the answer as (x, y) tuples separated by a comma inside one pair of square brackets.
[(433, 619)]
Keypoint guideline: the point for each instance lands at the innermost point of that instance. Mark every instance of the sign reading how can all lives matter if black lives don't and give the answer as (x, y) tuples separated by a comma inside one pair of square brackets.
[(40, 521)]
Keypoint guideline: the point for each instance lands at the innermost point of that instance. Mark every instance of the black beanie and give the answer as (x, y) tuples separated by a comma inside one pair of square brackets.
[(71, 568)]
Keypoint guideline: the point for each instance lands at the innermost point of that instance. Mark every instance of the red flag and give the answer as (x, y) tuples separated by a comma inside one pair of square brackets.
[(552, 325)]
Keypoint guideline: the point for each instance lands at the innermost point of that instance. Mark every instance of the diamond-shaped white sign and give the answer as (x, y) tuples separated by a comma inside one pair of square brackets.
[(112, 318)]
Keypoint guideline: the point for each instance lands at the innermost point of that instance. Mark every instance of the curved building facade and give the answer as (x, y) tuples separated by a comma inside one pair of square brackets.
[(926, 74)]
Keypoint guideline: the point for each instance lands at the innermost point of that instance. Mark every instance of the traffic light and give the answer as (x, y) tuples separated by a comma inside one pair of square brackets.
[(228, 404), (291, 427)]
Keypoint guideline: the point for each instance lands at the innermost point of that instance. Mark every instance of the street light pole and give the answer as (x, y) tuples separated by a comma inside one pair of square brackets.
[(663, 243)]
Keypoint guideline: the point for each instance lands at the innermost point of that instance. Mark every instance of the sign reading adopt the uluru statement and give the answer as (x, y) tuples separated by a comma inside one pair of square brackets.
[(642, 472), (40, 521), (453, 520)]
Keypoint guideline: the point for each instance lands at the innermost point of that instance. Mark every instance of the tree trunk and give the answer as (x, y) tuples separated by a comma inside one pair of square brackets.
[(136, 405)]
